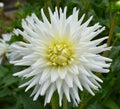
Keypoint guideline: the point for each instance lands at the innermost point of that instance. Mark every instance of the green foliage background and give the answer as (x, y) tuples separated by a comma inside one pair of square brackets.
[(11, 97)]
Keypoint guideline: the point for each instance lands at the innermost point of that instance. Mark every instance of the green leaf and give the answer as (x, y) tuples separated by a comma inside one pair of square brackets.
[(28, 103), (4, 92), (3, 71), (117, 35), (111, 104), (95, 105), (9, 79)]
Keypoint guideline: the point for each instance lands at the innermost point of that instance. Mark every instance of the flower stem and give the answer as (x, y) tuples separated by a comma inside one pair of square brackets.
[(110, 34), (53, 104), (111, 30), (64, 103)]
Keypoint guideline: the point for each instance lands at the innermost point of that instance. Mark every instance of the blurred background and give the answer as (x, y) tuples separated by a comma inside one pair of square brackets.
[(106, 12)]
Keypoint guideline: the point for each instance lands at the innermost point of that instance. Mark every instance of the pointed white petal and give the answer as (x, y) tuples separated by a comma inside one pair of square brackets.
[(23, 72), (49, 93), (66, 91), (78, 83), (69, 80), (59, 85), (37, 94), (34, 81), (44, 87), (35, 89), (45, 75), (62, 73), (60, 97), (54, 75)]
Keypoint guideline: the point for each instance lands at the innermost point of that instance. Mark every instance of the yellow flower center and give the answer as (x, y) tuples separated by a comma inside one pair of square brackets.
[(60, 54)]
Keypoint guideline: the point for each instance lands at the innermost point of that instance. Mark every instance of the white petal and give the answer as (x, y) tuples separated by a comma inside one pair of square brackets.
[(25, 84), (33, 73), (75, 92), (86, 86), (84, 71), (81, 19), (73, 98), (101, 70), (78, 83), (45, 75), (49, 93), (44, 87), (54, 75), (60, 97), (59, 85), (23, 72), (37, 94), (74, 69), (44, 17), (66, 91), (87, 22), (35, 89), (33, 82), (69, 80), (7, 36), (62, 73)]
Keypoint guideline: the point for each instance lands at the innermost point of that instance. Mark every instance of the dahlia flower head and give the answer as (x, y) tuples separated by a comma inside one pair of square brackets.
[(4, 45), (60, 55)]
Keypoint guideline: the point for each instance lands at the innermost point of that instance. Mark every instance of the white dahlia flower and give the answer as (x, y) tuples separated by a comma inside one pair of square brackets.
[(60, 54), (4, 45)]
